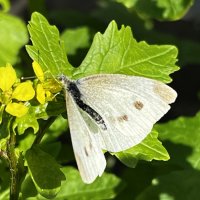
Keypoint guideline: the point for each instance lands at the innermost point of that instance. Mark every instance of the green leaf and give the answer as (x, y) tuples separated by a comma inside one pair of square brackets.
[(66, 154), (5, 4), (163, 9), (37, 112), (52, 148), (3, 144), (54, 108), (75, 39), (28, 190), (174, 10), (160, 9), (25, 142), (182, 140), (116, 51), (182, 184), (44, 171), (5, 195), (105, 187), (127, 3), (149, 149), (14, 39), (47, 49), (29, 120)]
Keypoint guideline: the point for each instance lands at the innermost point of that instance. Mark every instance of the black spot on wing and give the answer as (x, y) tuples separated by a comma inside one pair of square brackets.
[(86, 152), (122, 118), (88, 149), (138, 105)]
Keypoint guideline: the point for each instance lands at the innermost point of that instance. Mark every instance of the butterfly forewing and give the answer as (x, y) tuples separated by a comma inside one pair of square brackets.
[(88, 153), (129, 106)]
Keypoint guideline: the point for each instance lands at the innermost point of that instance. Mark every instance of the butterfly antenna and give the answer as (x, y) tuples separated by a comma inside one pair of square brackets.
[(27, 78)]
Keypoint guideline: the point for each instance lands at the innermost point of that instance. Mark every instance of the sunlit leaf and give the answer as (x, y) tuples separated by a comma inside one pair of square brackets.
[(30, 119), (5, 4), (11, 40), (105, 187), (149, 149), (116, 51), (47, 46)]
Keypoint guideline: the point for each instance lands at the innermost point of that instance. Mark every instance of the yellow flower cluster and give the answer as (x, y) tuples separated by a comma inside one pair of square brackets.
[(13, 94), (46, 88)]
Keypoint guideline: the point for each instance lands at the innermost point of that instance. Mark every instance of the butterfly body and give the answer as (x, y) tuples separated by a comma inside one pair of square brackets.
[(71, 87), (111, 112)]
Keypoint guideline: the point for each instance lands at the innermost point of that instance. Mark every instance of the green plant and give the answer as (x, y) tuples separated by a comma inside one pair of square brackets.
[(48, 50), (34, 140)]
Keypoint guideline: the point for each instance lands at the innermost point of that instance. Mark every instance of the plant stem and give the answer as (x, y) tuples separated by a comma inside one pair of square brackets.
[(16, 162), (16, 165), (14, 186)]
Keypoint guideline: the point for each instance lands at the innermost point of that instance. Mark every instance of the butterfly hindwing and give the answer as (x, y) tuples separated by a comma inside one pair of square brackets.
[(129, 106)]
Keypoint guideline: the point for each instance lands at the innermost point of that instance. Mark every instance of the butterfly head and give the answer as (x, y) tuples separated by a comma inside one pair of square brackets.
[(64, 80)]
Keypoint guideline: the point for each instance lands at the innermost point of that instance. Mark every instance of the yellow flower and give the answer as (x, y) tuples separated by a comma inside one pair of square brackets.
[(8, 77), (45, 89), (40, 93), (38, 71), (12, 94), (23, 91), (16, 109)]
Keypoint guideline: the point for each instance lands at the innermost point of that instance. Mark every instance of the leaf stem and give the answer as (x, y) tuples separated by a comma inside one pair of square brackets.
[(42, 130)]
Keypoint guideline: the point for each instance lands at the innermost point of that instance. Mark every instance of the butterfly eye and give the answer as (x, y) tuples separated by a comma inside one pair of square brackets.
[(61, 78)]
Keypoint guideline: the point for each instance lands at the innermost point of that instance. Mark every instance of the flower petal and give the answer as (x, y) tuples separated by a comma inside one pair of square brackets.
[(16, 109), (38, 71), (8, 77), (40, 94), (24, 92), (49, 96)]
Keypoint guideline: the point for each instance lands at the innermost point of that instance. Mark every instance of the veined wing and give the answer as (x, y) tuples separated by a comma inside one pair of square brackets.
[(88, 153), (129, 105)]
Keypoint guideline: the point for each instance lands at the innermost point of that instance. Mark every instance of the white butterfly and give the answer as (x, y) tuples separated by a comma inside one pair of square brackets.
[(111, 112)]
